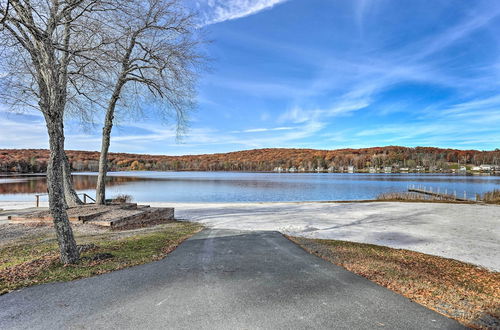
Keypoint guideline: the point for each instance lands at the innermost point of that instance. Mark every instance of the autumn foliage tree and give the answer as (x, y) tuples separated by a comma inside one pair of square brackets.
[(30, 160)]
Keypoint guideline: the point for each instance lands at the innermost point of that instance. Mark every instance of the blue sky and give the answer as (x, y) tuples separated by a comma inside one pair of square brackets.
[(324, 74)]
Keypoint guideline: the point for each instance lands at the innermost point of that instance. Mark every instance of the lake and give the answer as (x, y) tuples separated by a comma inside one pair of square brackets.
[(249, 187)]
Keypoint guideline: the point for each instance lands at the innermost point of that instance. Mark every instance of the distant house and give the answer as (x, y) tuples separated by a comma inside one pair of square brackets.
[(331, 169), (404, 169), (372, 170), (486, 167), (476, 169), (462, 169), (420, 168), (292, 169), (388, 169), (278, 169), (351, 169)]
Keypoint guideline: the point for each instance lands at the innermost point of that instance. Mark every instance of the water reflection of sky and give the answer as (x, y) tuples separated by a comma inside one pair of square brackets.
[(251, 187)]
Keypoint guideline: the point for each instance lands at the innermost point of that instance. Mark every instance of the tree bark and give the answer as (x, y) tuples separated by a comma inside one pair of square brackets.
[(70, 195), (57, 203), (103, 158), (106, 137)]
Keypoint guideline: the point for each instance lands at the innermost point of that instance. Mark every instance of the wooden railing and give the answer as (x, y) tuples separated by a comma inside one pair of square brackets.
[(437, 193), (85, 197)]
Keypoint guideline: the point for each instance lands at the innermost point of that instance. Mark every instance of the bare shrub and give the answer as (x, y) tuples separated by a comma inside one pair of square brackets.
[(404, 196), (122, 198), (491, 196)]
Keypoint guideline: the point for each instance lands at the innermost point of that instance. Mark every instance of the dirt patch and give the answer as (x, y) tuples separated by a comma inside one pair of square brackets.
[(13, 232), (115, 213), (88, 210)]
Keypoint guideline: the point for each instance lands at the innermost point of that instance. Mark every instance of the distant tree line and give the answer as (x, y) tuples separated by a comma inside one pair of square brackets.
[(35, 161)]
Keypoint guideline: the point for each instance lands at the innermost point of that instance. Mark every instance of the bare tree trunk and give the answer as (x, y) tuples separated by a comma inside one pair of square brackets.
[(103, 165), (103, 158), (57, 204), (70, 195), (106, 137)]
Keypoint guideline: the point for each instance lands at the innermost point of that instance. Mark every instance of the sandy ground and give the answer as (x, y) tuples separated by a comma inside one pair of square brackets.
[(470, 233)]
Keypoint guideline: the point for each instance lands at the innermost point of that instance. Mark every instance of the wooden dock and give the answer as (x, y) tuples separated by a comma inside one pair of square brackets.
[(438, 194)]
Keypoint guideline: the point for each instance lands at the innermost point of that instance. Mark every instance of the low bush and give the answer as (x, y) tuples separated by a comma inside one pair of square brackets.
[(123, 198), (491, 197)]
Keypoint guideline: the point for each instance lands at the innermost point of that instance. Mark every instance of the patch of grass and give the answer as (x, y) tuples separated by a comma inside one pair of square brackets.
[(416, 197), (465, 292), (36, 260), (492, 197)]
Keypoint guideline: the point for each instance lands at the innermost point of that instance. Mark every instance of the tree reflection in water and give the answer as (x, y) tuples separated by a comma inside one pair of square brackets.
[(37, 184)]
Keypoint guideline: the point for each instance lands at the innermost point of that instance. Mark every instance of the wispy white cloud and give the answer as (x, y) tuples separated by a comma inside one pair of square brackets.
[(360, 77), (297, 115), (362, 8), (216, 11), (261, 130), (28, 133), (457, 32), (345, 106), (258, 88), (473, 106), (284, 139), (437, 133)]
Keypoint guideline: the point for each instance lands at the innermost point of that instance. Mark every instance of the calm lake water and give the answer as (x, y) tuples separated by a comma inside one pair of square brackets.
[(249, 187)]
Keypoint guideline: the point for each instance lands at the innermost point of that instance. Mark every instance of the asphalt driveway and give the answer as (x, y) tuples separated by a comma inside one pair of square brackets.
[(220, 279)]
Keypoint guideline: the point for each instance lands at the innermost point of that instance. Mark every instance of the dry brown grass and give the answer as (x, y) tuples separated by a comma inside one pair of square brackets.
[(402, 196), (458, 290), (122, 198), (491, 197), (414, 197)]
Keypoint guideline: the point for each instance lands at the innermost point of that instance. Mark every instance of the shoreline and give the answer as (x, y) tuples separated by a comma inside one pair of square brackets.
[(26, 204), (360, 171), (465, 232)]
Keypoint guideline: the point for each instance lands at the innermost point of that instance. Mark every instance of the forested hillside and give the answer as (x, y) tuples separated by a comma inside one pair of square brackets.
[(35, 160)]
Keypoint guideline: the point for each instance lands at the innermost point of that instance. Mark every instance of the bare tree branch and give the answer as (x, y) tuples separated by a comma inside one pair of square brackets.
[(156, 55), (45, 61)]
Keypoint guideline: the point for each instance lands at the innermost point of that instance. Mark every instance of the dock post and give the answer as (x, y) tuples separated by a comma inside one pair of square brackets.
[(37, 200)]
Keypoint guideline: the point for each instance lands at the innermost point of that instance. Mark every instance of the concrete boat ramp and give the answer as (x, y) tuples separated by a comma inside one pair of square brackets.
[(465, 232)]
